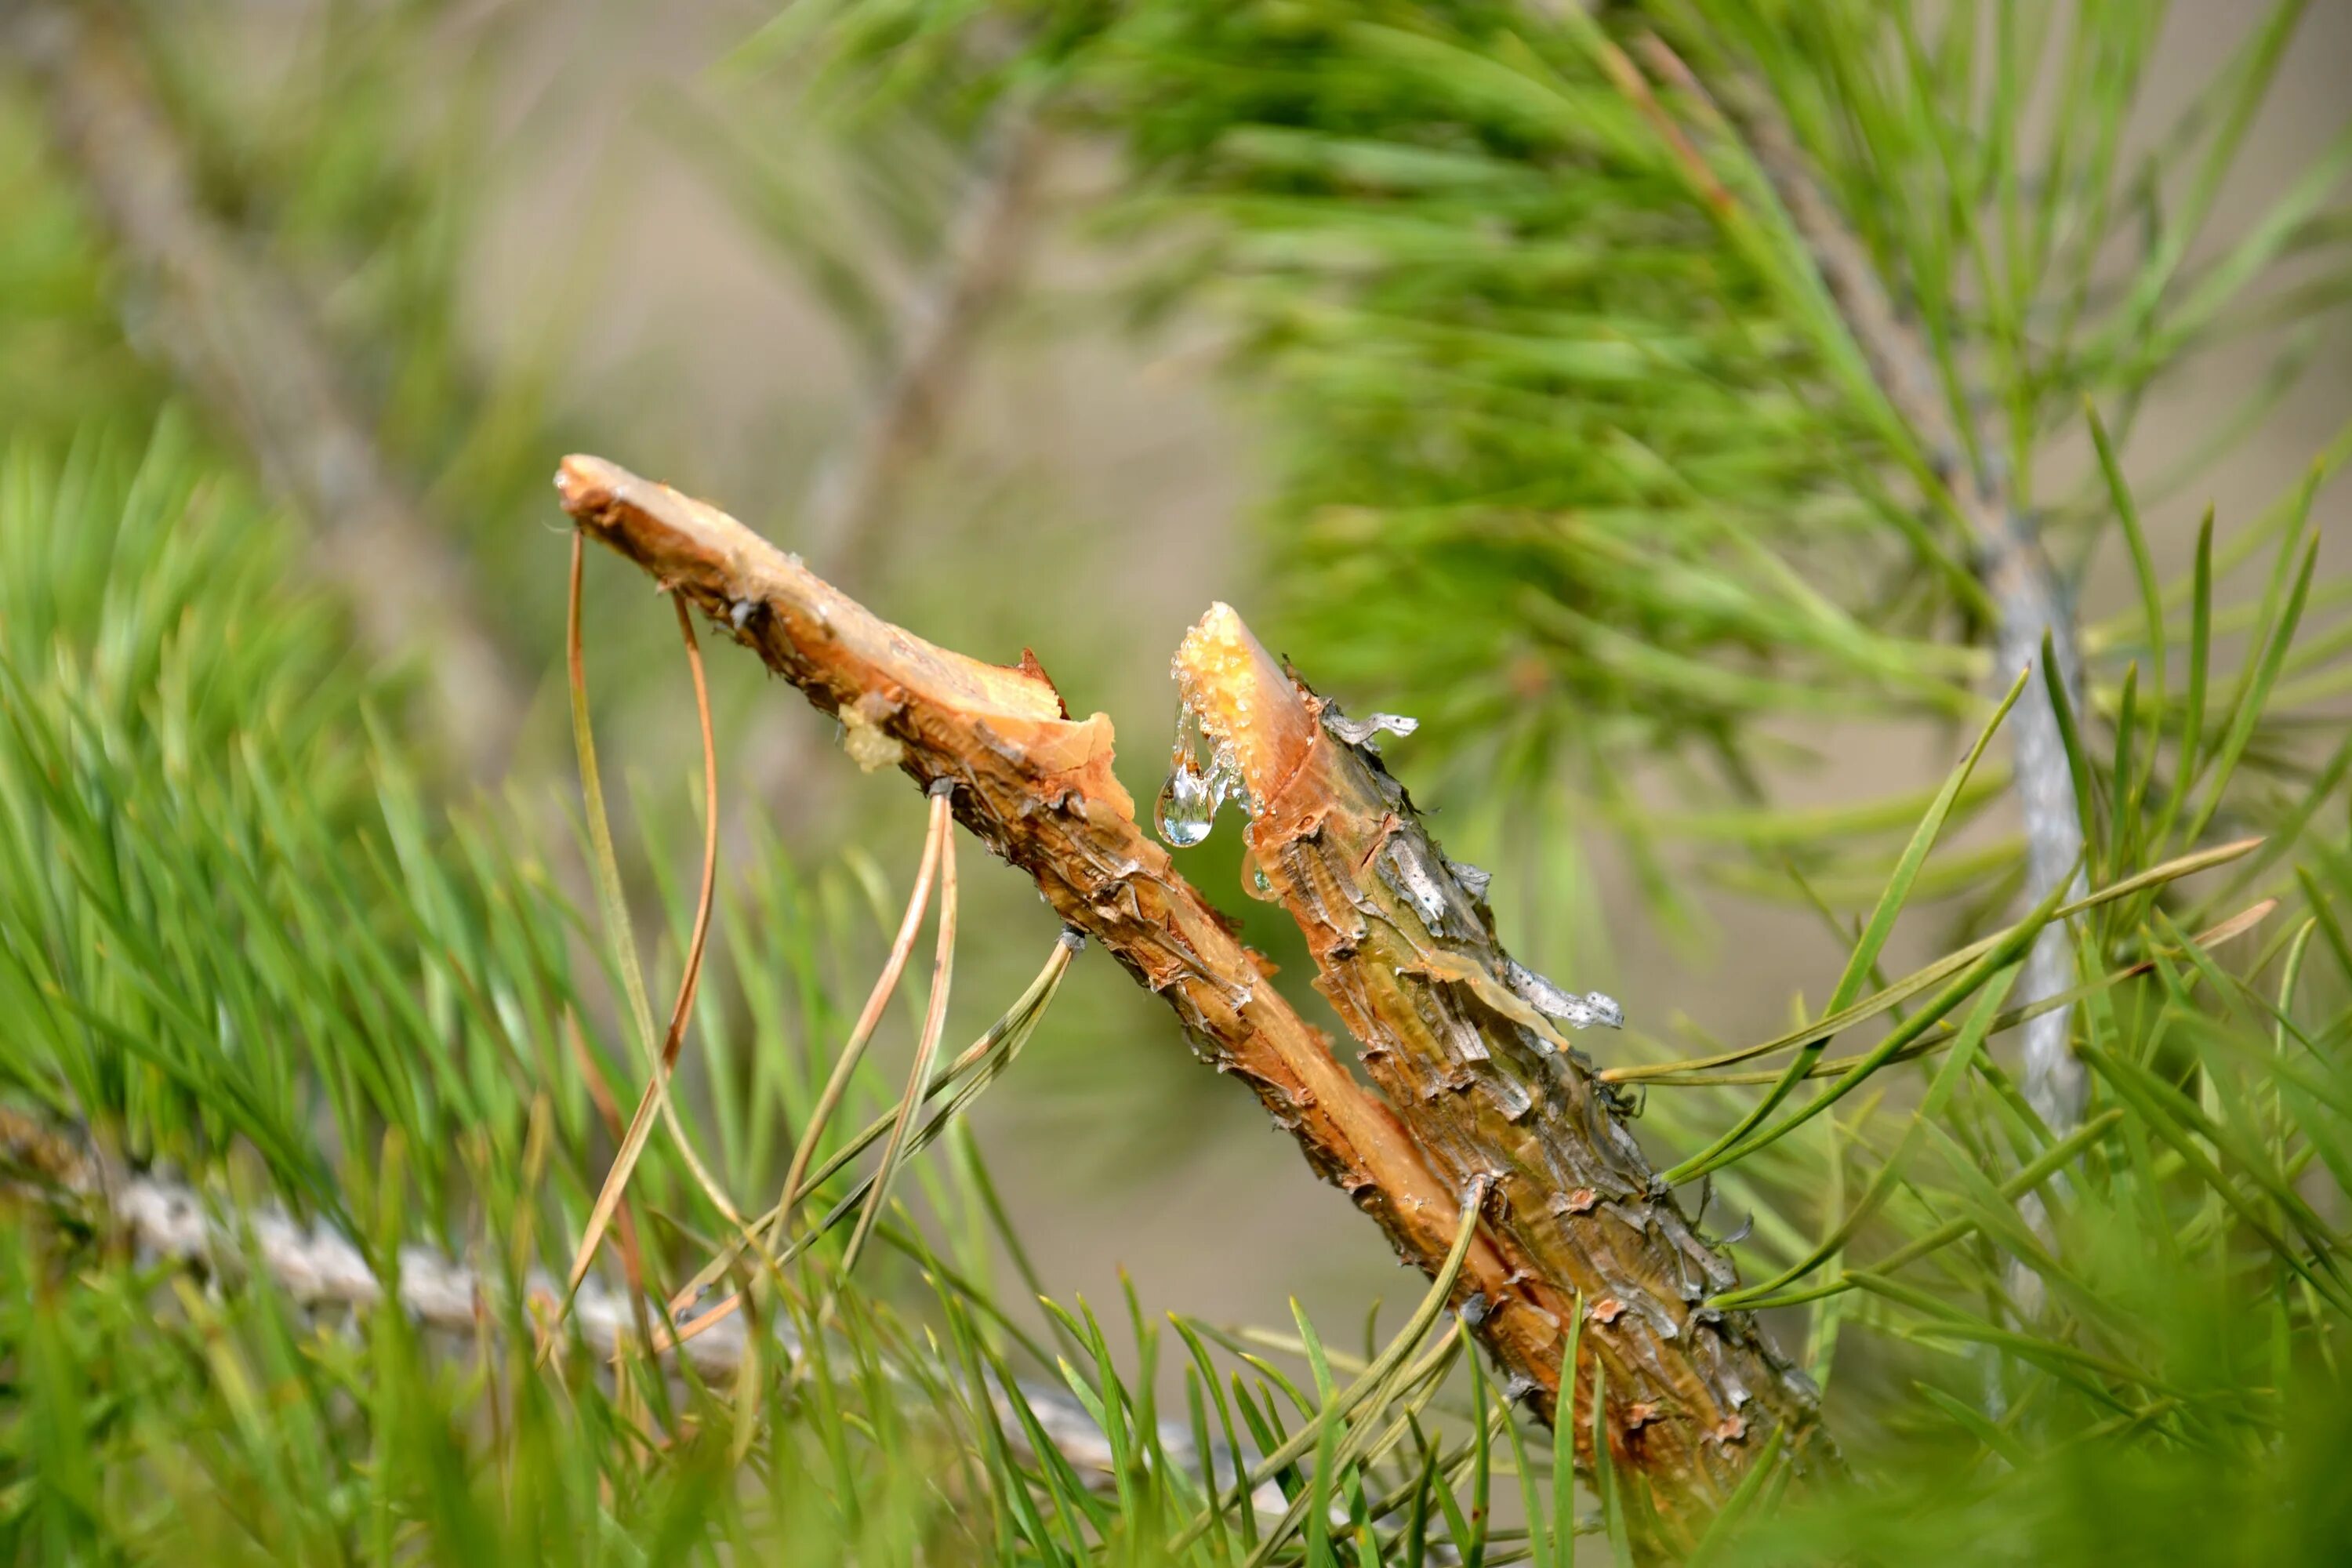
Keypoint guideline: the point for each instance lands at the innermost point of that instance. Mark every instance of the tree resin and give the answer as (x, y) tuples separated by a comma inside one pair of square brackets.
[(1189, 800)]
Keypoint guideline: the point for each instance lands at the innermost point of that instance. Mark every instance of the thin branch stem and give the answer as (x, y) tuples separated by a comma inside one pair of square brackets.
[(238, 334), (854, 504), (2033, 606), (318, 1268), (851, 515)]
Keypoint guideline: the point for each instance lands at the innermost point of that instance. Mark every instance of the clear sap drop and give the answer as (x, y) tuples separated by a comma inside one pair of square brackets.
[(1187, 802)]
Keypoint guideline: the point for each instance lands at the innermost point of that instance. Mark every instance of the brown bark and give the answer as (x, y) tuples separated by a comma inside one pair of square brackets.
[(1475, 1084), (1456, 1033)]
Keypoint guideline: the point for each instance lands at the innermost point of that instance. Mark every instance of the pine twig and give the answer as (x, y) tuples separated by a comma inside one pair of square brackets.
[(1701, 1389), (318, 1267), (1477, 1047), (2032, 605), (854, 502), (235, 331)]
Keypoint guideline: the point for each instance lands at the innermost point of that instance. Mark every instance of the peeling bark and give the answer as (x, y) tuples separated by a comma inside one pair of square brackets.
[(1478, 1080)]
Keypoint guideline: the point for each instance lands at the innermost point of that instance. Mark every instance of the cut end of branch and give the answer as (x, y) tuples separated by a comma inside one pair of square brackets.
[(1245, 703), (776, 604)]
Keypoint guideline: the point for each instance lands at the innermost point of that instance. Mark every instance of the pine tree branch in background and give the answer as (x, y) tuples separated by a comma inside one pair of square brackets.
[(853, 506), (1698, 1392), (2032, 604), (236, 334), (318, 1267), (855, 500)]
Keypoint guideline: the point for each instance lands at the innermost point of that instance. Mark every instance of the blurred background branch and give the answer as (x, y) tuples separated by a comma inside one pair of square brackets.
[(852, 519), (854, 509), (2033, 615), (237, 334)]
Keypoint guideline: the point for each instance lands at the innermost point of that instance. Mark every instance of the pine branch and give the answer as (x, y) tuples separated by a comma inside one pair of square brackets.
[(235, 331), (854, 503), (1698, 1392), (2033, 606), (1476, 1046), (317, 1266)]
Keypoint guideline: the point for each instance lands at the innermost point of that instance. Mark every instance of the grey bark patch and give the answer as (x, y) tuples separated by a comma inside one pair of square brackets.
[(1553, 1002), (1360, 731)]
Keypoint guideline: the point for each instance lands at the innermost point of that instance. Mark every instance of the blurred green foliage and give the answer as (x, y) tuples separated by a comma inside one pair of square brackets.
[(1579, 458)]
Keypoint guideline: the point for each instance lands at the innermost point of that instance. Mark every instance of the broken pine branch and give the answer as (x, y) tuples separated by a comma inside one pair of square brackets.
[(1696, 1390), (1476, 1045)]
